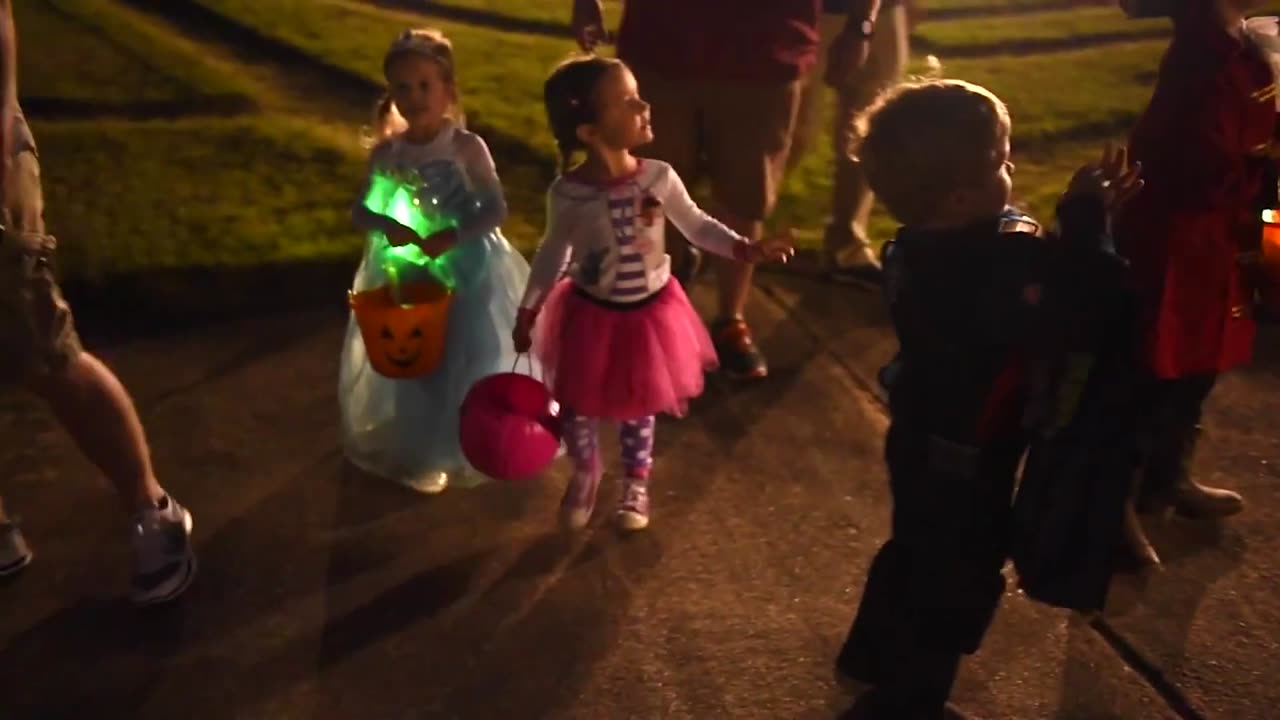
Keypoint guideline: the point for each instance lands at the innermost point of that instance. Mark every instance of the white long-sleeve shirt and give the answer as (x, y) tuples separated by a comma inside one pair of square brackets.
[(610, 239)]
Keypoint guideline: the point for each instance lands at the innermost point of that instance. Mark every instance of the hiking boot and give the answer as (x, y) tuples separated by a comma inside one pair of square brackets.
[(15, 554), (1189, 498), (739, 357), (633, 509), (579, 499), (164, 564), (1193, 500)]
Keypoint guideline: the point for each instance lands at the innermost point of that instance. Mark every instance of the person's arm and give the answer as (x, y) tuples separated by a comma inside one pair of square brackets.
[(862, 14), (850, 48), (554, 252), (700, 228), (488, 208), (367, 220), (8, 90)]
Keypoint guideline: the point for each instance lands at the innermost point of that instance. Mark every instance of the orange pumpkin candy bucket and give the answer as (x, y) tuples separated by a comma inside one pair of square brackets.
[(404, 332)]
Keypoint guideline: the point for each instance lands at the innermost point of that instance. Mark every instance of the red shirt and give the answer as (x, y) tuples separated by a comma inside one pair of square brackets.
[(747, 41), (1213, 105)]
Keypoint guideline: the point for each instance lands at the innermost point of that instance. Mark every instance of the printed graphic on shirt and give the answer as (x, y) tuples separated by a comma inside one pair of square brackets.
[(630, 283)]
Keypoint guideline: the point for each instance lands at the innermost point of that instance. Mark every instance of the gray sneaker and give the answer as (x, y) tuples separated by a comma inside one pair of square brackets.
[(15, 554), (164, 564)]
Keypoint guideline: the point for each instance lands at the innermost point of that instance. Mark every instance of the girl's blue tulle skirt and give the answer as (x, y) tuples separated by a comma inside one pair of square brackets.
[(403, 429)]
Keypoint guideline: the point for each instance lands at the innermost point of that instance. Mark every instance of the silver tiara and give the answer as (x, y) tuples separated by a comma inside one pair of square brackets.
[(416, 41)]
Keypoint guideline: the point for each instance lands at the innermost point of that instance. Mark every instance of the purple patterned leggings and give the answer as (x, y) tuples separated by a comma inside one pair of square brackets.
[(582, 437)]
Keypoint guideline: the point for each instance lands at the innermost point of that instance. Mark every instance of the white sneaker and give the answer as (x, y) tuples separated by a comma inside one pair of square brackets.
[(15, 554), (164, 564), (431, 483)]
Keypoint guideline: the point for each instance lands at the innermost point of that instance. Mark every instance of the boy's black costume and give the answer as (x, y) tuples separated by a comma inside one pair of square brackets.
[(986, 370)]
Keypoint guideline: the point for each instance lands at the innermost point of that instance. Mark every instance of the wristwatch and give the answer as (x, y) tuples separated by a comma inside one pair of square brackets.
[(865, 29)]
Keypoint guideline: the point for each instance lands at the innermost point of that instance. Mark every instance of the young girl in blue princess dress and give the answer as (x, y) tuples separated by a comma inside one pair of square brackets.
[(407, 430)]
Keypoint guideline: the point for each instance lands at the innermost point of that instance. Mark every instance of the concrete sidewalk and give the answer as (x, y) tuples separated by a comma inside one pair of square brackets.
[(1204, 630), (327, 594)]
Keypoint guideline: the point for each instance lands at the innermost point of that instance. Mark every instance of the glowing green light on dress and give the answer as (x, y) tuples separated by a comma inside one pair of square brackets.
[(399, 199)]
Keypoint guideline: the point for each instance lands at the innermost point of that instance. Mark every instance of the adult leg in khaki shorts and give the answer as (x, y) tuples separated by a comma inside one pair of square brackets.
[(676, 121), (38, 332), (746, 160), (845, 242), (40, 350), (813, 94)]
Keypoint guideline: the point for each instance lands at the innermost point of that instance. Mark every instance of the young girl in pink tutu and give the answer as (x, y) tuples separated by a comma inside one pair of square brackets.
[(617, 338)]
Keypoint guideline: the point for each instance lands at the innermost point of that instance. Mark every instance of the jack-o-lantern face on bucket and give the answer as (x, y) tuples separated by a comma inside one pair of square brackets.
[(403, 340), (403, 344)]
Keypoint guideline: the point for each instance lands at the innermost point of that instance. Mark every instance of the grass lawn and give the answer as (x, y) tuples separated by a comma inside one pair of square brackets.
[(1079, 25), (543, 11), (204, 193), (123, 196), (1064, 93), (115, 62), (240, 192), (1039, 178), (1102, 91), (500, 74)]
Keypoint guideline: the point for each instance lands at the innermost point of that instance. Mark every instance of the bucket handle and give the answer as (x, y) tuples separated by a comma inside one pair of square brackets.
[(529, 363)]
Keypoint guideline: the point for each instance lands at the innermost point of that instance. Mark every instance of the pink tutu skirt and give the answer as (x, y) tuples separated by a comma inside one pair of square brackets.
[(620, 362)]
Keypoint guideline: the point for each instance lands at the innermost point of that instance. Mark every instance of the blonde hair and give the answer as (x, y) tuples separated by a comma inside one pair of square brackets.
[(923, 140), (427, 43)]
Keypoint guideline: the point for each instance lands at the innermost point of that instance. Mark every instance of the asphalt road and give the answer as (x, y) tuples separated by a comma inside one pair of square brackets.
[(328, 594)]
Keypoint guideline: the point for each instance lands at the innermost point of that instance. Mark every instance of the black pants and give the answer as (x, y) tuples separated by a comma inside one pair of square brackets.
[(934, 587), (1169, 423)]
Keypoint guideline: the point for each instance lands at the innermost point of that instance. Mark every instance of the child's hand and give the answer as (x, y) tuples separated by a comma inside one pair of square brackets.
[(522, 333), (439, 242), (399, 235), (588, 24), (777, 249), (1113, 179)]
